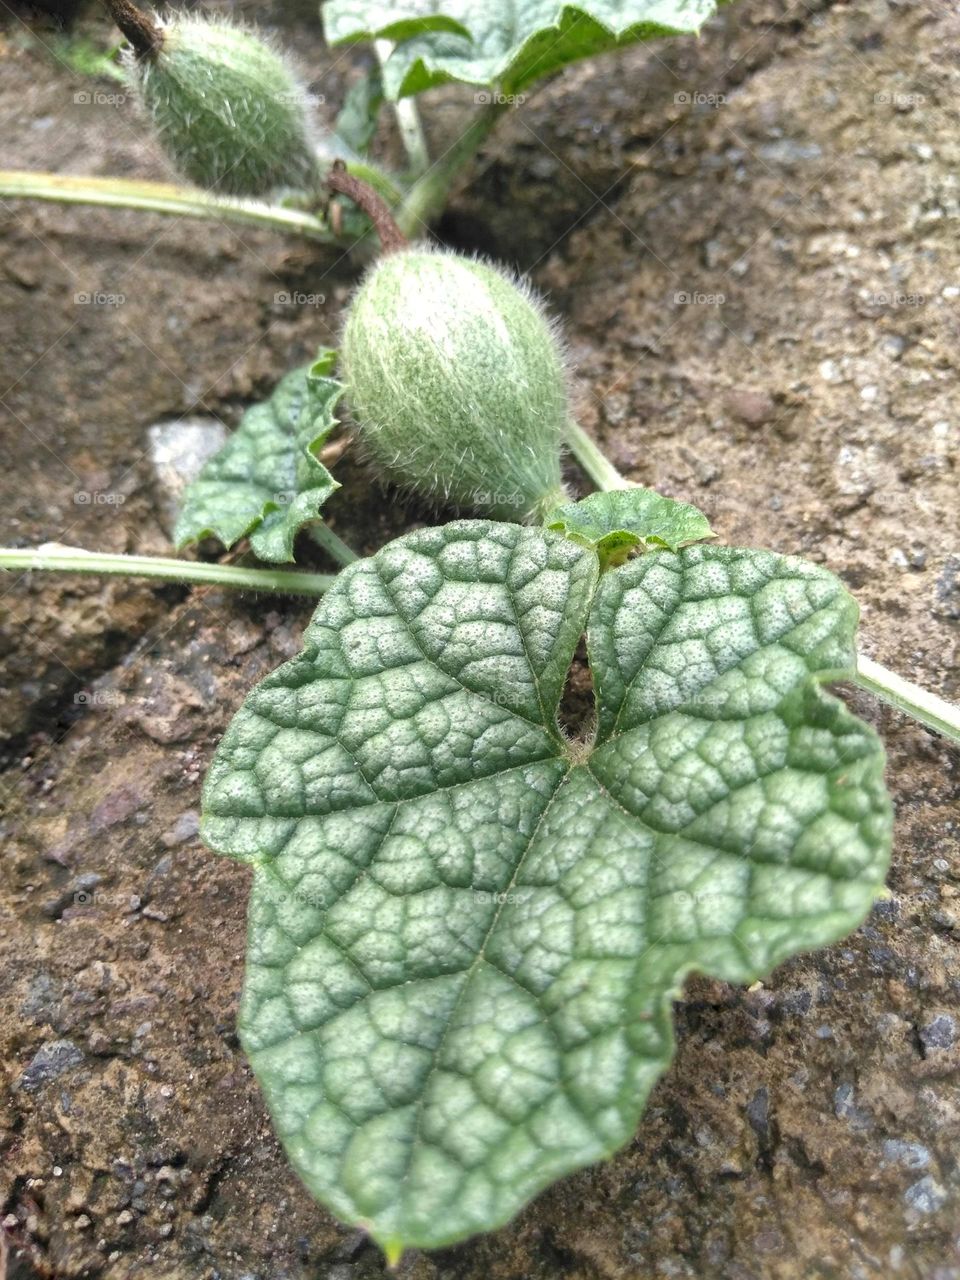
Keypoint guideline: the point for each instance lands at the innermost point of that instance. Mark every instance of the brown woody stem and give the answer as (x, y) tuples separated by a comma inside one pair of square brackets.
[(146, 39), (372, 204)]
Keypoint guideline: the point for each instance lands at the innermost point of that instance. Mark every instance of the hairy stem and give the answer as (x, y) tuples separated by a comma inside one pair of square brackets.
[(930, 710), (429, 194), (58, 559), (408, 121)]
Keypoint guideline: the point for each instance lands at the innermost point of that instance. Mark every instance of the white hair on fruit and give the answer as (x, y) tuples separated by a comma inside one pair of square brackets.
[(456, 380)]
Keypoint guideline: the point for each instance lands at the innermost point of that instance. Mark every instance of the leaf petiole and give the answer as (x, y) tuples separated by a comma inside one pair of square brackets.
[(332, 543), (54, 558), (428, 195), (408, 120), (175, 201), (931, 710)]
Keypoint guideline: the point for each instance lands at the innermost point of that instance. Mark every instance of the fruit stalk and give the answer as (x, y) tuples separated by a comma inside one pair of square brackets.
[(332, 543), (408, 121), (145, 38), (594, 462), (363, 195)]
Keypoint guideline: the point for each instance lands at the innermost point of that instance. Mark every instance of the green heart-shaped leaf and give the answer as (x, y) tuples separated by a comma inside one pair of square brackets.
[(465, 929), (616, 522), (504, 43), (266, 481)]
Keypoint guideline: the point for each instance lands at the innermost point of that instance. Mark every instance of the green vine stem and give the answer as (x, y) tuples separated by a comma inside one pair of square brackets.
[(595, 463), (429, 194), (933, 712), (54, 558), (174, 201), (930, 709), (332, 543)]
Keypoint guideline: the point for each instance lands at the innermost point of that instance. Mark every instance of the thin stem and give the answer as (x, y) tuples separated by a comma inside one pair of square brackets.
[(594, 462), (183, 202), (408, 121), (334, 545), (376, 178), (159, 197), (428, 195), (931, 710), (58, 559), (372, 204)]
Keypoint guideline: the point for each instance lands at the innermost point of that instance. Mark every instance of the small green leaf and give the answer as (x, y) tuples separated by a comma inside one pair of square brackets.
[(507, 44), (614, 523), (357, 122), (267, 482), (466, 930)]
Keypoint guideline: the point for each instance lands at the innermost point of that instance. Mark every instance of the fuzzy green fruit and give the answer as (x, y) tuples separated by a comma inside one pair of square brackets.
[(227, 110), (456, 381)]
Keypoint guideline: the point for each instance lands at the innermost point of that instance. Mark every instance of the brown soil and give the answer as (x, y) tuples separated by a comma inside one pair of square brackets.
[(809, 1126)]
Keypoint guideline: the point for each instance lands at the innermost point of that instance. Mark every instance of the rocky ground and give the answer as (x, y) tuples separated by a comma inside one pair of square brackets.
[(753, 243)]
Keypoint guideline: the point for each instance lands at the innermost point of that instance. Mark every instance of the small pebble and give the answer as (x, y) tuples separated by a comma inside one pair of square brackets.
[(939, 1033), (753, 408), (52, 1060), (178, 451), (909, 1154), (926, 1196)]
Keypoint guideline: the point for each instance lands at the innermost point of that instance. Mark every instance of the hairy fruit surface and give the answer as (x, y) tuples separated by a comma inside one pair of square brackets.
[(227, 110), (456, 380)]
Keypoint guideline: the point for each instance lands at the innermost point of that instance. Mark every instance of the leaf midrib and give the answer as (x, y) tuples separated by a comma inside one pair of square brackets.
[(468, 976)]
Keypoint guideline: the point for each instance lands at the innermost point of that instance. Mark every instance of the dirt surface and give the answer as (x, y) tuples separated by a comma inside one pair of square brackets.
[(753, 243)]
